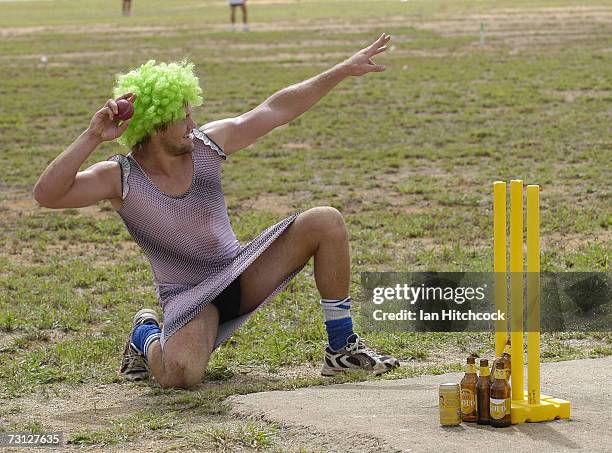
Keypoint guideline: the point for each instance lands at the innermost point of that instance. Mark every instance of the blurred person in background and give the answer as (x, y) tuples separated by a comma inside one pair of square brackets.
[(234, 4), (127, 7)]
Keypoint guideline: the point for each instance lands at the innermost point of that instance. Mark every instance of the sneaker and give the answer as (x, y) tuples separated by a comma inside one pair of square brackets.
[(134, 365), (356, 356), (245, 27)]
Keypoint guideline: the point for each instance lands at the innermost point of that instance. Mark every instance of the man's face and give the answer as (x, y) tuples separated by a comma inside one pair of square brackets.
[(176, 139)]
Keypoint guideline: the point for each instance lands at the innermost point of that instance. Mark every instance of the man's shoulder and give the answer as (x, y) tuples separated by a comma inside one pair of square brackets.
[(212, 131), (219, 131), (116, 170), (209, 138), (117, 164)]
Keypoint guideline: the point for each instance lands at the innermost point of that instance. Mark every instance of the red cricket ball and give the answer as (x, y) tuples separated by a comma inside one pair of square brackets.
[(125, 110)]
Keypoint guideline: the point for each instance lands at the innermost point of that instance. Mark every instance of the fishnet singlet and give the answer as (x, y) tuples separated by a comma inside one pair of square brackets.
[(193, 251)]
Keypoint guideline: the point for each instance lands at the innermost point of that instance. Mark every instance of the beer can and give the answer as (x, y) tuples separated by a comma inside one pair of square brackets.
[(450, 404)]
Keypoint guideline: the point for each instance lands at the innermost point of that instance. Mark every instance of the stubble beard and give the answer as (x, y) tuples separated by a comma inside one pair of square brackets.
[(177, 150)]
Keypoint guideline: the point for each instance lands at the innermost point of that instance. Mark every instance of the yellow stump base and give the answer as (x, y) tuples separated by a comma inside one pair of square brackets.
[(550, 408)]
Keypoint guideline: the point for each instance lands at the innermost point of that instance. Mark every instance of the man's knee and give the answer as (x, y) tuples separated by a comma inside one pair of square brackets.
[(330, 222), (181, 375)]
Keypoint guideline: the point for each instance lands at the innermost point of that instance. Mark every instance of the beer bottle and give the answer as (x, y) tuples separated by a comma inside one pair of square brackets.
[(499, 409), (483, 387), (506, 359), (468, 392)]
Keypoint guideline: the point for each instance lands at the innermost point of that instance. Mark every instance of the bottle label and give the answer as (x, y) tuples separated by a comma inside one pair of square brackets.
[(471, 368), (484, 371), (500, 373), (499, 408), (468, 401)]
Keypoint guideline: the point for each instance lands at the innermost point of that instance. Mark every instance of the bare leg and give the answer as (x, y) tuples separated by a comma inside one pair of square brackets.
[(233, 14), (183, 360), (319, 232), (244, 13)]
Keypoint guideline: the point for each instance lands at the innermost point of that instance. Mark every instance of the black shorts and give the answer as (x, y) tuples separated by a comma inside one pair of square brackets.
[(228, 302)]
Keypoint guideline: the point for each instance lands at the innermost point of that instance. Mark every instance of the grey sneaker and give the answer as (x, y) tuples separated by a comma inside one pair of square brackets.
[(133, 364), (356, 356)]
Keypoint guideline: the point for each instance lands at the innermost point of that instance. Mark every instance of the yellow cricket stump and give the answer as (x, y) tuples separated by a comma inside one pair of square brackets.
[(533, 294), (516, 287), (499, 264), (530, 405)]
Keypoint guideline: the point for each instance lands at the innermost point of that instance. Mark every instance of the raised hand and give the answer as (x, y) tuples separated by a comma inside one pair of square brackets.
[(361, 63), (104, 125)]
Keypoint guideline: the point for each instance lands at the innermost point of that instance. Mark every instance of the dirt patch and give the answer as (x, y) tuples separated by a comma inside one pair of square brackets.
[(279, 45), (142, 30), (71, 55), (278, 204), (299, 56), (97, 406), (572, 95), (273, 203), (558, 241), (20, 340), (84, 29), (296, 146), (99, 255), (19, 206), (525, 28), (7, 340), (302, 24), (515, 20), (22, 204)]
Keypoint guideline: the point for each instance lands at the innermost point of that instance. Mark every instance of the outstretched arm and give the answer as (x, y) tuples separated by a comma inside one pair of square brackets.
[(287, 104)]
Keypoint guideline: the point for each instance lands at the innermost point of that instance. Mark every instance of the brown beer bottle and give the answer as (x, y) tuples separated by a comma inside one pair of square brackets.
[(468, 392), (506, 359), (483, 387), (500, 405)]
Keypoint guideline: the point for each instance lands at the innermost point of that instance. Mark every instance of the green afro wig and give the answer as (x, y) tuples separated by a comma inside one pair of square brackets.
[(161, 90)]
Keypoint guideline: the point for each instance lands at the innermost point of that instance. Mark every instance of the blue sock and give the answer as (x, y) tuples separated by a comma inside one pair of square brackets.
[(143, 336), (338, 321)]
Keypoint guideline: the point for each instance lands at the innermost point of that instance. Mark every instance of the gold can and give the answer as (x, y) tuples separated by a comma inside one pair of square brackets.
[(450, 404)]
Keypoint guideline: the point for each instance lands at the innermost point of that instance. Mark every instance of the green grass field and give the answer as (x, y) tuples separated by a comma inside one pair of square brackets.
[(408, 156)]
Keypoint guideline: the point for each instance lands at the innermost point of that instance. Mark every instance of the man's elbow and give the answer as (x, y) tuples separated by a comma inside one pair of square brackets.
[(36, 195), (39, 197)]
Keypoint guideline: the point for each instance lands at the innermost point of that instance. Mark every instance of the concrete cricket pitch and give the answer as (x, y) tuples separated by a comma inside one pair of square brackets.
[(402, 415)]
